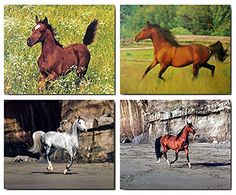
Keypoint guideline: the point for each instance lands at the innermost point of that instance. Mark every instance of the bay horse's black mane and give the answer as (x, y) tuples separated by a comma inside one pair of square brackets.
[(166, 34), (49, 26)]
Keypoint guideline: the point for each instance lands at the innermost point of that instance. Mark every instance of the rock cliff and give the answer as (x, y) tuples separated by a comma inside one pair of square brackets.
[(22, 118), (212, 118)]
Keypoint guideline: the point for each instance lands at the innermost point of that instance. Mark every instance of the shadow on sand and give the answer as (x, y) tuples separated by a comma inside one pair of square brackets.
[(200, 165), (52, 173)]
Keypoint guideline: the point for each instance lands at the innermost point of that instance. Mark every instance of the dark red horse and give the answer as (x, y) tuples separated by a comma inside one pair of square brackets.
[(177, 143), (168, 52), (56, 60)]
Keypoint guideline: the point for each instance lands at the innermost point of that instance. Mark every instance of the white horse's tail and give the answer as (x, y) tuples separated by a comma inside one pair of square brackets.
[(37, 147)]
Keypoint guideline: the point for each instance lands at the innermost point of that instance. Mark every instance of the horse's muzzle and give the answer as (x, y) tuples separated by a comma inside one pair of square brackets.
[(29, 42), (136, 39)]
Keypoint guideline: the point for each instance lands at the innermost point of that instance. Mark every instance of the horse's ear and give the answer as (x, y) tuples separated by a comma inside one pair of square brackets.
[(149, 24), (189, 121), (36, 19), (45, 20)]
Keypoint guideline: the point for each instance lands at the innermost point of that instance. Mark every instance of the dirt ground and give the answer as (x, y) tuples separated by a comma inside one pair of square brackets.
[(26, 175), (211, 168)]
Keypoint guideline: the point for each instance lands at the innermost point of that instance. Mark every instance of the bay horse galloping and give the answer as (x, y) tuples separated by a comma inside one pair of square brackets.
[(56, 60), (176, 143), (168, 52)]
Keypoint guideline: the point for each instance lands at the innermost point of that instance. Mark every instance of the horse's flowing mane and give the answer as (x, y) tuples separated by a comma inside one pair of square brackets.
[(49, 26), (179, 134), (166, 34)]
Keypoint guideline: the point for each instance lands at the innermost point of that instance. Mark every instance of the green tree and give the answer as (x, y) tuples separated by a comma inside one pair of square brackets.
[(221, 19)]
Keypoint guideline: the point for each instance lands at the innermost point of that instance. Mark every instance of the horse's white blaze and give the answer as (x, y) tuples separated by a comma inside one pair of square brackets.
[(37, 27)]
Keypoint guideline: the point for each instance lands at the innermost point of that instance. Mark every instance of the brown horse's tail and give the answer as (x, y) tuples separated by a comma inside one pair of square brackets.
[(158, 148), (218, 51), (90, 33)]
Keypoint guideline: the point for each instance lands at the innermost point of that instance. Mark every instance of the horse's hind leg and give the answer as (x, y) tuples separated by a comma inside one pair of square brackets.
[(176, 158), (168, 162), (210, 67), (164, 152), (47, 156)]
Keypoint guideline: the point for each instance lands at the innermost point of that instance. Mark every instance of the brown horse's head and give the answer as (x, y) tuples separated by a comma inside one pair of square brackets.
[(145, 33), (190, 127), (38, 32)]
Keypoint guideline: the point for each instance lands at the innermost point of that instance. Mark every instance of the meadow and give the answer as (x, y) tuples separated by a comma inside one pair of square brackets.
[(178, 80), (21, 71)]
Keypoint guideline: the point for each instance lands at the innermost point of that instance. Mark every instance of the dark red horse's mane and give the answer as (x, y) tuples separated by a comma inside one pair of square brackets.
[(52, 30)]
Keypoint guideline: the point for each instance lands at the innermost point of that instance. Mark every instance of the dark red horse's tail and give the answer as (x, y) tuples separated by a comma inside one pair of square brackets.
[(158, 148), (90, 33), (218, 51)]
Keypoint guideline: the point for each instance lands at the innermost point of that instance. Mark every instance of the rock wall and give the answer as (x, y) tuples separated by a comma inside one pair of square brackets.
[(212, 118), (22, 118), (131, 119)]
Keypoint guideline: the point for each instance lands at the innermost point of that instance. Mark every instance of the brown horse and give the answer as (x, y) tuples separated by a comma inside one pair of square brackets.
[(56, 60), (176, 143), (168, 52)]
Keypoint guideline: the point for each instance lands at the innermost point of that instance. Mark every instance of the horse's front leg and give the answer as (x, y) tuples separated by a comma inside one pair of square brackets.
[(162, 70), (152, 65), (43, 82), (70, 162), (186, 153)]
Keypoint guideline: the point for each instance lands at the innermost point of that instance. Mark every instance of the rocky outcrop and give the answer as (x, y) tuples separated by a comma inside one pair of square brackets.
[(22, 118), (131, 119), (212, 118)]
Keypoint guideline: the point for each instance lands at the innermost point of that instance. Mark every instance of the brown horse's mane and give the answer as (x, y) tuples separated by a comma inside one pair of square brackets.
[(179, 134), (49, 26), (166, 34)]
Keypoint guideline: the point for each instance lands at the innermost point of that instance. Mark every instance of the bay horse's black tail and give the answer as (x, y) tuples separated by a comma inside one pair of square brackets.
[(158, 147), (90, 33), (218, 51)]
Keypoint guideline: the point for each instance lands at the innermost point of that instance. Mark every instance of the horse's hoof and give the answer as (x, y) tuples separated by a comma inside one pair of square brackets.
[(158, 161), (190, 166), (65, 172), (50, 169)]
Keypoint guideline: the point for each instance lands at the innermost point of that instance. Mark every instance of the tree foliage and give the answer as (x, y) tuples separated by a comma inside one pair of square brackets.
[(190, 19)]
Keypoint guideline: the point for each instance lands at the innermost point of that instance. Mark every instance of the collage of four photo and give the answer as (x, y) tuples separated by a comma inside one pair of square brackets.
[(71, 101)]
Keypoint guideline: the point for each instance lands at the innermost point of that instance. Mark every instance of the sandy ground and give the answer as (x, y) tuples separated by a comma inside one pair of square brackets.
[(27, 175), (211, 168)]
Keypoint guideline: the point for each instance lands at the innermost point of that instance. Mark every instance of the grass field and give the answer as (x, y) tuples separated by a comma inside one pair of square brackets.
[(178, 80), (21, 71)]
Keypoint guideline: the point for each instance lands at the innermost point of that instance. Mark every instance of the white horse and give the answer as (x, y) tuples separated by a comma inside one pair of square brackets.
[(53, 140)]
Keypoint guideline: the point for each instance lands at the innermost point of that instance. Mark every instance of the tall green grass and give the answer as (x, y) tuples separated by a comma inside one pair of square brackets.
[(21, 71), (178, 80)]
